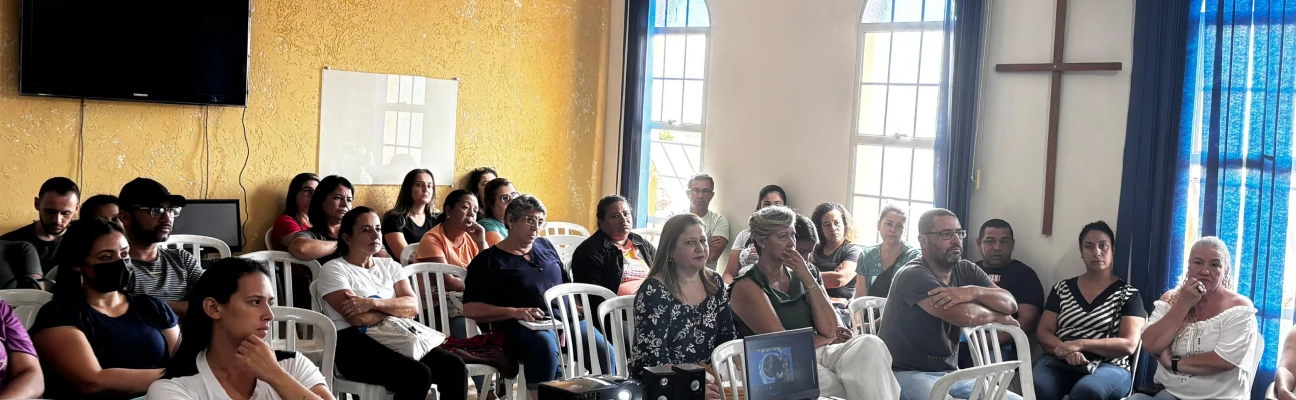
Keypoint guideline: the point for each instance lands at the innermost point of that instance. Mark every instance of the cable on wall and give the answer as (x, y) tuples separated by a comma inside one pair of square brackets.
[(207, 150), (247, 157), (81, 146)]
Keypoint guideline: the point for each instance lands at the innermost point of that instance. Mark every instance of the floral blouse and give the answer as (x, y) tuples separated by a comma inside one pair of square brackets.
[(670, 332)]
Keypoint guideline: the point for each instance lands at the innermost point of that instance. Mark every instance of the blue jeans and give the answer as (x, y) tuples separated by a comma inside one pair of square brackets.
[(1107, 382), (1163, 395), (539, 353), (915, 385)]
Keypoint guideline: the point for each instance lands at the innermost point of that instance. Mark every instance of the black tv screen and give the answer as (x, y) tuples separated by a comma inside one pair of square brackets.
[(187, 51)]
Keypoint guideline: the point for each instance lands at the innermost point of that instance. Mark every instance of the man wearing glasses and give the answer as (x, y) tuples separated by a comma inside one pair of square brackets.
[(996, 243), (931, 298), (148, 210), (701, 191)]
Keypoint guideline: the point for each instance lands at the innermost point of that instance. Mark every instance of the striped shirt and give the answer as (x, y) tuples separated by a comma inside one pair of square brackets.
[(1077, 318), (168, 278)]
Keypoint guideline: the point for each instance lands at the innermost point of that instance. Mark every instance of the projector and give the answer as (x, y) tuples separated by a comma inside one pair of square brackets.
[(596, 387)]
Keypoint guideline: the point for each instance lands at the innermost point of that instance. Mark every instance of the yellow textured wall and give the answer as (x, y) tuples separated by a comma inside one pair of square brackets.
[(531, 95)]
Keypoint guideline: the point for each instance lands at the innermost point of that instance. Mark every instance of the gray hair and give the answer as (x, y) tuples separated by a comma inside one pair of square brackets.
[(702, 176), (522, 205), (1214, 243), (768, 221)]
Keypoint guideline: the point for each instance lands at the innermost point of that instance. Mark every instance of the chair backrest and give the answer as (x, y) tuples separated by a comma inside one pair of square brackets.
[(729, 359), (428, 281), (407, 255), (991, 381), (566, 246), (269, 244), (26, 303), (617, 314), (280, 264), (323, 325), (1134, 364), (983, 343), (194, 244), (564, 228), (652, 235), (866, 311), (569, 296)]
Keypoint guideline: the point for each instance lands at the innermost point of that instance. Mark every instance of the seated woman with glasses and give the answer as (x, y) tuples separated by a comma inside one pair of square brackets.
[(499, 193), (506, 284), (294, 217), (412, 217), (96, 340)]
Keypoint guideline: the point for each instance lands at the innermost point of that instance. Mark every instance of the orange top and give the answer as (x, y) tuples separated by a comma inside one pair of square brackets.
[(436, 244)]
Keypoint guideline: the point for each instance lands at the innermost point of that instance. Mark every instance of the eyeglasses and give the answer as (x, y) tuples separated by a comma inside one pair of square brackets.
[(949, 234), (701, 191), (156, 212), (308, 191), (505, 198), (534, 222), (992, 242)]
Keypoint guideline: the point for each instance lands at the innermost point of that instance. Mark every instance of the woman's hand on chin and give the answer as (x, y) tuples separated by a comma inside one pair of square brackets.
[(260, 358)]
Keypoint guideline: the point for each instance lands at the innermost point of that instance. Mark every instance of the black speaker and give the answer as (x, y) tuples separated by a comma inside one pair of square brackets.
[(658, 383), (690, 382)]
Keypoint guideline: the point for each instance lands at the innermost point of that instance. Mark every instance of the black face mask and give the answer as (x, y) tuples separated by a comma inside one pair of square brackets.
[(109, 277)]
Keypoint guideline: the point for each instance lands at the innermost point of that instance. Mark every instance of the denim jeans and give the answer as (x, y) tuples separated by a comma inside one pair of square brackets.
[(1108, 382), (539, 353), (1163, 395), (915, 385)]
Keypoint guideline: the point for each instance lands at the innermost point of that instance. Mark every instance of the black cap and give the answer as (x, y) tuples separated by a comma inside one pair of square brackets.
[(145, 192)]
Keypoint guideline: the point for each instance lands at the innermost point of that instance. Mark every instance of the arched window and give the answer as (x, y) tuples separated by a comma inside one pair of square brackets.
[(676, 98), (901, 70)]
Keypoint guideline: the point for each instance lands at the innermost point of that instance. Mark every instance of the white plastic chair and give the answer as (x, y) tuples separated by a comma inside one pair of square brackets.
[(566, 246), (617, 314), (269, 244), (26, 303), (983, 343), (729, 359), (652, 235), (325, 347), (865, 311), (439, 318), (569, 295), (280, 262), (407, 255), (991, 381), (197, 243), (340, 384), (564, 228)]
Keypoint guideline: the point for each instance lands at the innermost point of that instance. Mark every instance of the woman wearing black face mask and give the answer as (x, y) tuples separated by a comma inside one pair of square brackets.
[(94, 340)]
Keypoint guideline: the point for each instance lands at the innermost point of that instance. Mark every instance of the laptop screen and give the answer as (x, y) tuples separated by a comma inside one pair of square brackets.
[(781, 366)]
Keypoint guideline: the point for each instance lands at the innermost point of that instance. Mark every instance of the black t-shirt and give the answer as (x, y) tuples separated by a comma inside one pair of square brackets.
[(502, 279), (1020, 280), (46, 250), (412, 232)]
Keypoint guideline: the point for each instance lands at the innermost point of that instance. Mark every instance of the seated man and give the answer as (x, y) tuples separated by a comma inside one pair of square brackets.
[(996, 242), (55, 205), (20, 266), (20, 370), (1284, 380), (931, 298), (148, 210)]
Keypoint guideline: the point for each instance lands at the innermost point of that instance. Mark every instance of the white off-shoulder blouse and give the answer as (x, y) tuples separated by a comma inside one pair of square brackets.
[(1233, 335)]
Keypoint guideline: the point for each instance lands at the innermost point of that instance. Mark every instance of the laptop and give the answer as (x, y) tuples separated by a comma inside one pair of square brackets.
[(781, 366)]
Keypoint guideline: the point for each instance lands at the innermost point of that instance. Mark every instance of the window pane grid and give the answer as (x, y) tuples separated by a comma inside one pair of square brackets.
[(678, 104)]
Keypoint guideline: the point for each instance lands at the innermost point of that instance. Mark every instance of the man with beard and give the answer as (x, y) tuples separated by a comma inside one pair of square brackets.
[(148, 211), (931, 298), (996, 243), (55, 205)]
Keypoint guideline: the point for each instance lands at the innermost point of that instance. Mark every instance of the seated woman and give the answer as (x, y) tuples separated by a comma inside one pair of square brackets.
[(783, 292), (95, 340), (319, 242), (361, 290), (741, 255), (1095, 317), (101, 206), (223, 355), (294, 217), (1203, 333), (613, 257), (457, 237), (20, 370), (1284, 380), (682, 311), (506, 284), (476, 183), (878, 263), (412, 217), (499, 193), (835, 256)]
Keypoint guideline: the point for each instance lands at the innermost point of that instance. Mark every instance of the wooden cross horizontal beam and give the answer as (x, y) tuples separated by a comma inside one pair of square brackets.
[(1051, 67)]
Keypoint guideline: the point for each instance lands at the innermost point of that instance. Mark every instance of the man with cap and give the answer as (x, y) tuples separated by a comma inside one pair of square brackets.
[(148, 211)]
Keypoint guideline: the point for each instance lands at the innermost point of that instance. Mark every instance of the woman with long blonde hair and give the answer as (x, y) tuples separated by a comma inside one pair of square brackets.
[(1203, 333), (682, 310)]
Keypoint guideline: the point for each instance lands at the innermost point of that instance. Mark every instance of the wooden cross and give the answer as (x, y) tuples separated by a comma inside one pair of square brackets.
[(1055, 68)]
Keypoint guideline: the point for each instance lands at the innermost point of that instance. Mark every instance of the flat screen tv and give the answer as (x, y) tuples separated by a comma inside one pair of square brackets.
[(218, 218), (168, 51)]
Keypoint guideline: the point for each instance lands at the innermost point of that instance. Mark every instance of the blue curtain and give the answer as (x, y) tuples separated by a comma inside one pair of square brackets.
[(1237, 128), (1148, 240), (956, 146), (634, 159)]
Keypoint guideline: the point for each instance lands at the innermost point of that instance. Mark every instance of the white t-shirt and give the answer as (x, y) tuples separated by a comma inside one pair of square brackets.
[(740, 245), (716, 225), (1233, 335), (380, 280), (204, 386)]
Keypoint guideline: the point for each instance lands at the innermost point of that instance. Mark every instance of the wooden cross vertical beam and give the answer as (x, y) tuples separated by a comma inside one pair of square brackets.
[(1055, 69)]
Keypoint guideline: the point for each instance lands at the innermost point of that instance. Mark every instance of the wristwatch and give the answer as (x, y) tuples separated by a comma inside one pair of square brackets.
[(1174, 364)]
